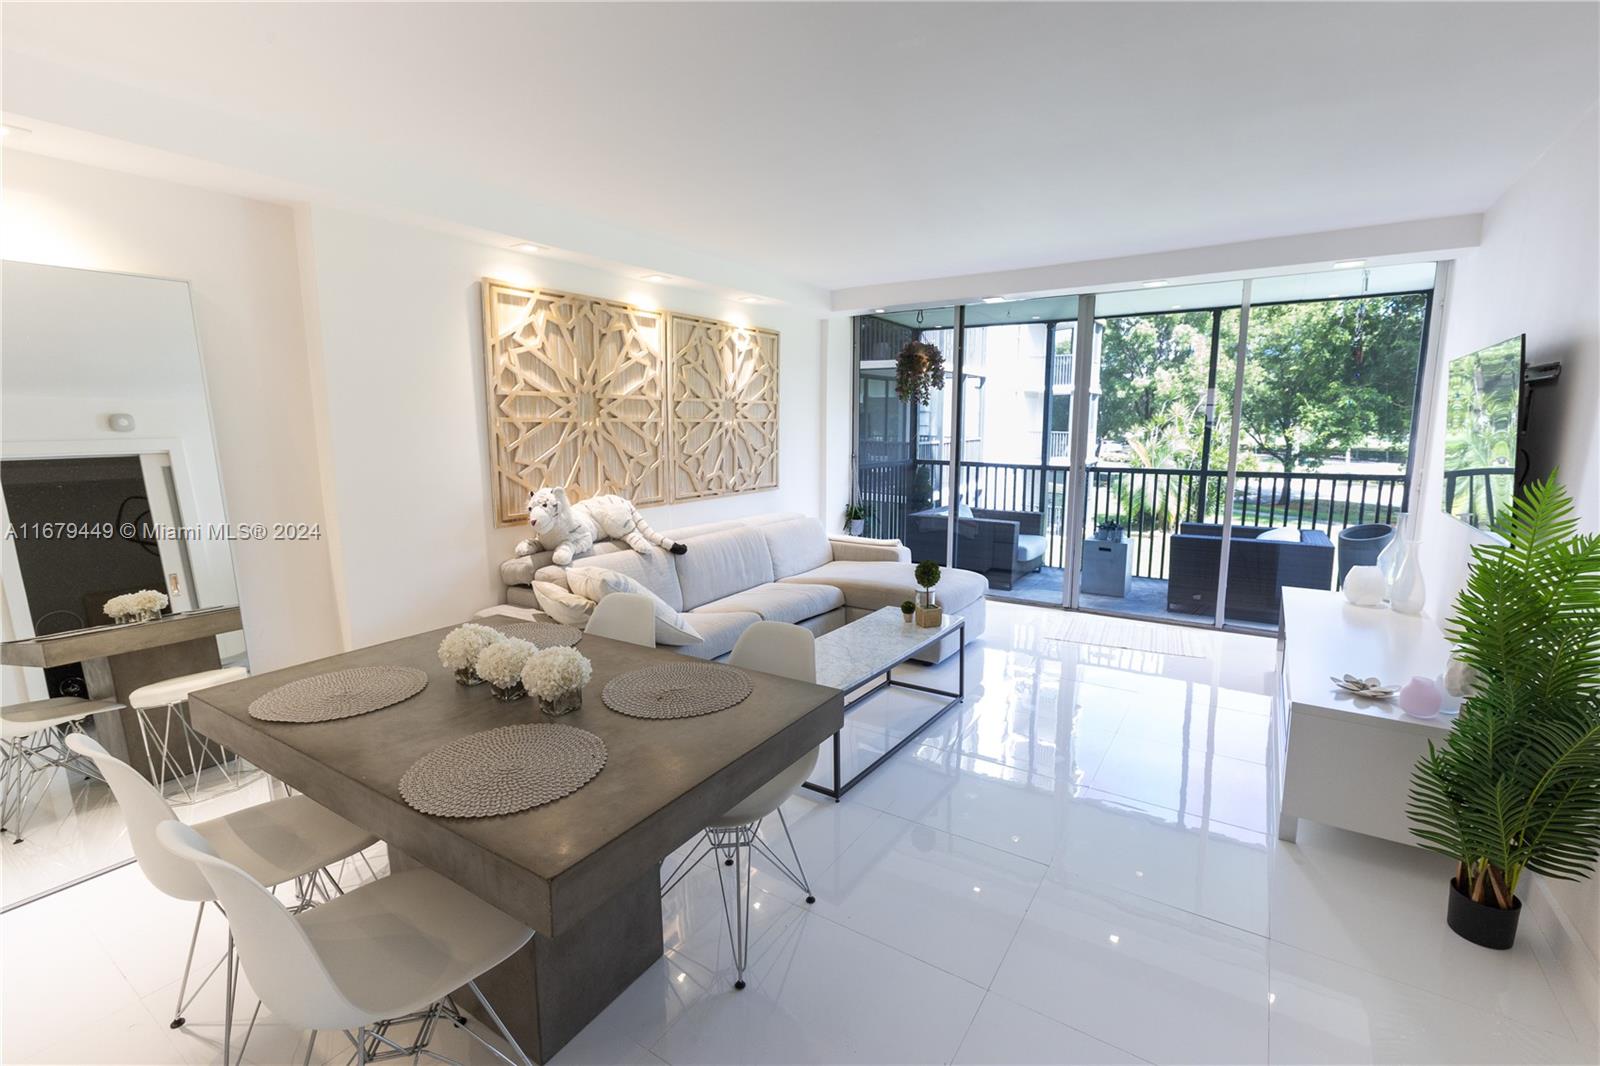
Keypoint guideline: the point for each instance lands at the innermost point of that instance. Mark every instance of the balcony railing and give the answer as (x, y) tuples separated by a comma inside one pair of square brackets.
[(1149, 503)]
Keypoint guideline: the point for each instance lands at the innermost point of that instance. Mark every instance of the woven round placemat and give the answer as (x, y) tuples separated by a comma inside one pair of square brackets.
[(543, 634), (340, 694), (675, 690), (503, 770)]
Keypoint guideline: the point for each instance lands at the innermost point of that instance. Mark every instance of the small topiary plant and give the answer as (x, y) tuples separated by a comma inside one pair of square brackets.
[(907, 606), (927, 573)]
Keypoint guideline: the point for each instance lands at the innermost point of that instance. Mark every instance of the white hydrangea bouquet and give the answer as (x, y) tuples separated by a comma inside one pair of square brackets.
[(460, 648), (501, 665), (145, 605), (556, 676)]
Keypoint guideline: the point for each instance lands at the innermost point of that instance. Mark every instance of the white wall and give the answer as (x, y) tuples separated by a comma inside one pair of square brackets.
[(239, 258), (397, 314), (1536, 273)]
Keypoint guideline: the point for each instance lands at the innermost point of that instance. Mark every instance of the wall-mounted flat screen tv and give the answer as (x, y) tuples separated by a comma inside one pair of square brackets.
[(1481, 431)]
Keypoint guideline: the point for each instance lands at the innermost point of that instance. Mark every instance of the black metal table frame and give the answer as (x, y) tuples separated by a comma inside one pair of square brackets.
[(955, 698)]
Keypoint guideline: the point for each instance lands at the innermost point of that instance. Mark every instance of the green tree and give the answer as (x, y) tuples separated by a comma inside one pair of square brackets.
[(1152, 380), (1321, 377), (1326, 376)]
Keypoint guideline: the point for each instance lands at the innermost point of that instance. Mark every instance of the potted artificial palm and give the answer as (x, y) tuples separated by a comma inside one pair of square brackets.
[(1516, 786)]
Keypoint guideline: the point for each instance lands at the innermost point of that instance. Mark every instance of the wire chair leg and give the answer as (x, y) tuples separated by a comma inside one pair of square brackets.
[(188, 964), (494, 1016)]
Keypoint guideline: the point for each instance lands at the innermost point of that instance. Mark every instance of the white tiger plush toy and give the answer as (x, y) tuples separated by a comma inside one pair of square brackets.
[(569, 530)]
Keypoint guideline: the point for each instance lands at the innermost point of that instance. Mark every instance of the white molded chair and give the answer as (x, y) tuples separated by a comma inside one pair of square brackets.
[(628, 616), (388, 952), (788, 651), (33, 745), (282, 840), (170, 696)]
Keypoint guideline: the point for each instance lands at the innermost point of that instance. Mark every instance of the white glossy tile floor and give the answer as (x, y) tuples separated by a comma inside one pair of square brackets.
[(1072, 867)]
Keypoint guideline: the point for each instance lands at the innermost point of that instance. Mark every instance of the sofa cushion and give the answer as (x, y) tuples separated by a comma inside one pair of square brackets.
[(722, 563), (652, 569), (596, 583), (796, 544), (869, 586), (1280, 535), (719, 632), (1030, 546), (781, 602)]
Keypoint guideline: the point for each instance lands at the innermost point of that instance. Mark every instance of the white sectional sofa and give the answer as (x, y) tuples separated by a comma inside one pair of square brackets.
[(780, 567)]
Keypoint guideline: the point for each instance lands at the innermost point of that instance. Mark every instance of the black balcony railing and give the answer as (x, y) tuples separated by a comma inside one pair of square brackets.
[(1148, 503)]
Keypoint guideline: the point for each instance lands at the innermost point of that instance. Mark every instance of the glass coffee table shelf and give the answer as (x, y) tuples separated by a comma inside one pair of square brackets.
[(859, 653)]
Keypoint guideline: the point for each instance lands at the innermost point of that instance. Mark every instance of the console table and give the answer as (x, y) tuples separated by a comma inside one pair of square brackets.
[(120, 658), (1347, 761)]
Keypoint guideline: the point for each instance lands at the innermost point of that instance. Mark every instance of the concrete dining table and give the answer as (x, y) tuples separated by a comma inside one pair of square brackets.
[(584, 871)]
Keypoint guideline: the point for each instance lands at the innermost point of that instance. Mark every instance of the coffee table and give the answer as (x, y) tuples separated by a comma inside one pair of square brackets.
[(858, 653)]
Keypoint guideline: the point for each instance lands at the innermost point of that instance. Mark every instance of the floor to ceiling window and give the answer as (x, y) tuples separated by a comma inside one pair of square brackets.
[(1325, 439)]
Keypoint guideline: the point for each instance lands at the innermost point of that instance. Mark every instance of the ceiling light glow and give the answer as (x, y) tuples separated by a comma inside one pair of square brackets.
[(657, 278), (994, 299), (1349, 264), (1154, 284), (526, 246)]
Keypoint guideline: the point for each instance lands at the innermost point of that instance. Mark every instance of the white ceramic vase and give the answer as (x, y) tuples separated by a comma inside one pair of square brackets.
[(1364, 586)]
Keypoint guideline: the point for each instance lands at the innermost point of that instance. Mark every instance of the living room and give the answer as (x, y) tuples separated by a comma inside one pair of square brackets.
[(281, 284)]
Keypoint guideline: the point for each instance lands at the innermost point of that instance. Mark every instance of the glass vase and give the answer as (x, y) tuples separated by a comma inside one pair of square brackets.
[(468, 676), (1396, 550), (508, 693), (565, 703), (1407, 593)]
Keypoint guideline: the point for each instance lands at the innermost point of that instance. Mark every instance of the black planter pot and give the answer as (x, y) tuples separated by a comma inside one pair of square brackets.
[(1483, 924)]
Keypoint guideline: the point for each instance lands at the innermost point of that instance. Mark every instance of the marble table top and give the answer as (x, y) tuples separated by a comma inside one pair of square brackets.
[(856, 653)]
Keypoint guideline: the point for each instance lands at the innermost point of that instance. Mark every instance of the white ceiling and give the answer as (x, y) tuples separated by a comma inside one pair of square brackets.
[(848, 144)]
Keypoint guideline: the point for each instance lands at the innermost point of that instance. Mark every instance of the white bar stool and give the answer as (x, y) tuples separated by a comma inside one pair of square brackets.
[(170, 696), (33, 744)]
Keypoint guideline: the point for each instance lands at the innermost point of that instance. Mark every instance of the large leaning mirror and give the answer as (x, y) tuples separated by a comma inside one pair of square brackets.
[(110, 486)]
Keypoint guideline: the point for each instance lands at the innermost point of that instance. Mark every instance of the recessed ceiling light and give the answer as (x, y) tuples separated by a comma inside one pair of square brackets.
[(1349, 264), (994, 299), (877, 310), (1114, 938), (526, 246), (1154, 284), (656, 278), (749, 299)]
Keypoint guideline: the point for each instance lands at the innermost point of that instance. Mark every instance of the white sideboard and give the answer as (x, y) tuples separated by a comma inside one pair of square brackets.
[(1347, 761)]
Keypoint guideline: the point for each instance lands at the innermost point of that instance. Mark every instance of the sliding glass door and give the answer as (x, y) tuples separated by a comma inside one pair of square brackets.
[(904, 448), (1015, 415), (1161, 510), (1157, 454)]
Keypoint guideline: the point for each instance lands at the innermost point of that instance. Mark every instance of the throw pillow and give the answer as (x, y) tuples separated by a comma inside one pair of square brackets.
[(563, 606), (672, 627), (1285, 534)]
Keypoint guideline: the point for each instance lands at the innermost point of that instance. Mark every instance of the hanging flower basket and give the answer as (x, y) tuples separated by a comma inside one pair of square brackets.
[(918, 371)]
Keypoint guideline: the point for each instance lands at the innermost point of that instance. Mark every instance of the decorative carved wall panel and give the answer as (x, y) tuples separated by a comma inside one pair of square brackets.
[(577, 391), (724, 409)]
